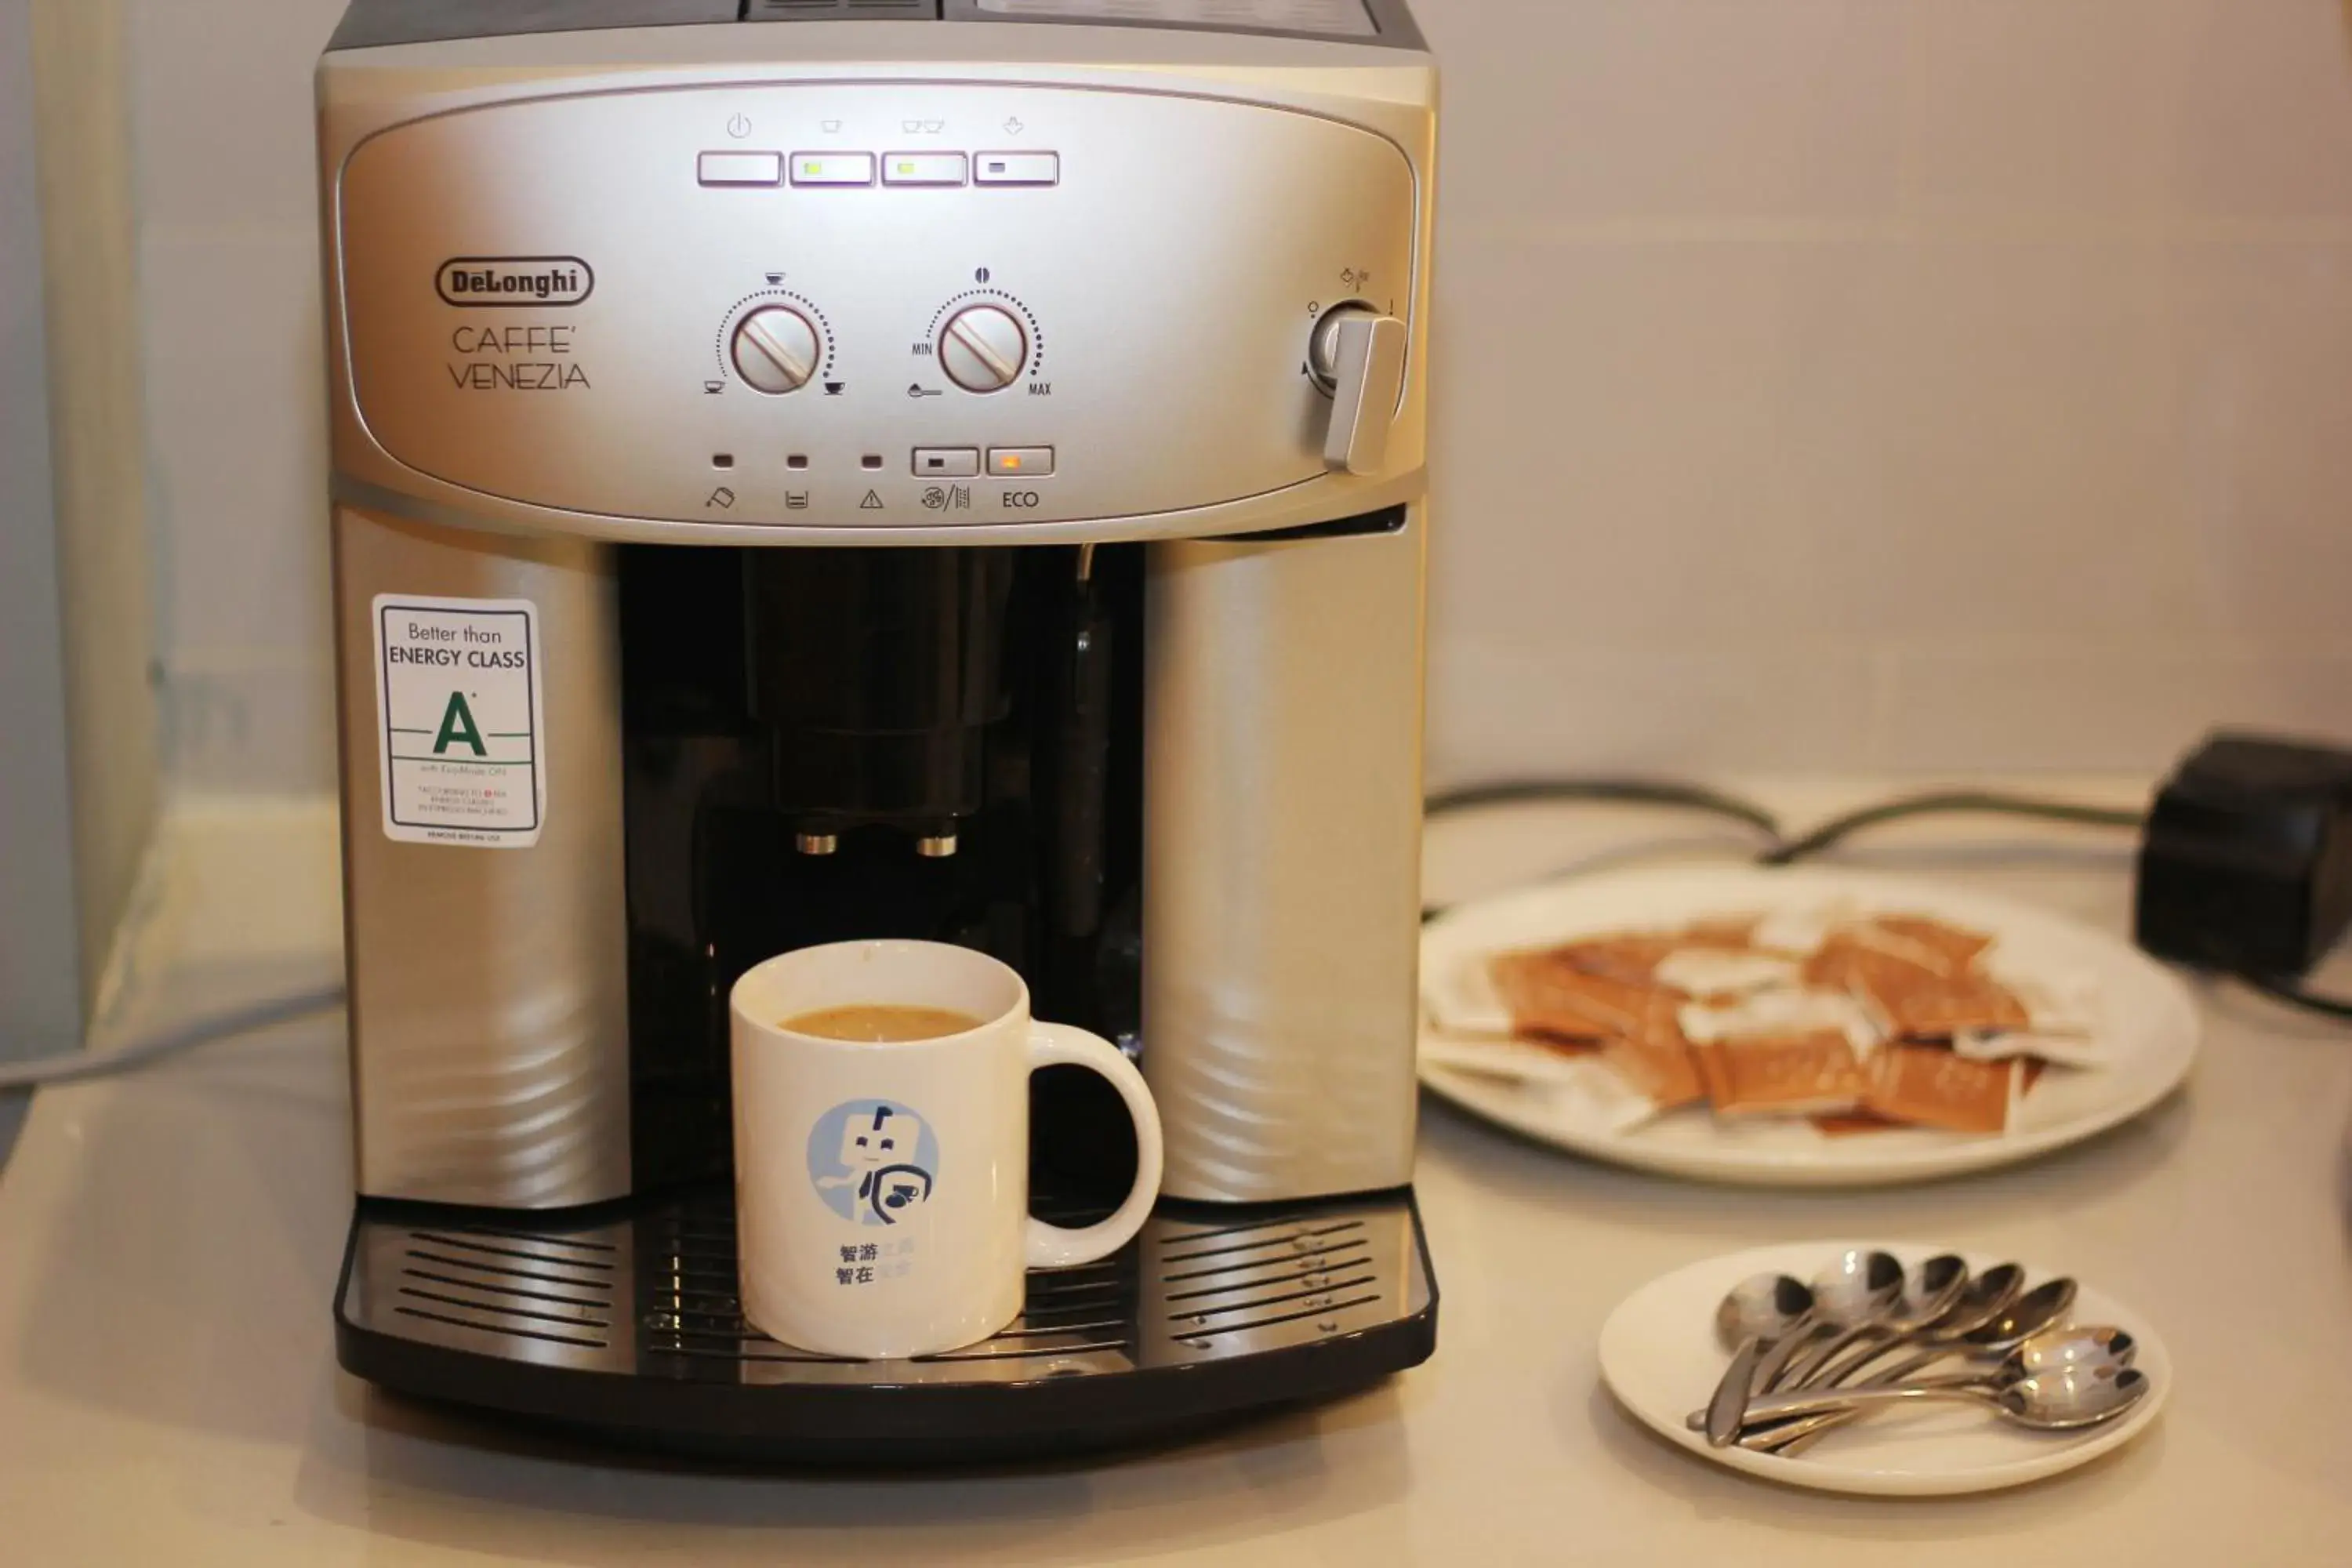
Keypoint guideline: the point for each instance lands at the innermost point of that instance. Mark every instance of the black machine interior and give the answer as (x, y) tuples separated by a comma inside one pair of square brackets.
[(823, 744)]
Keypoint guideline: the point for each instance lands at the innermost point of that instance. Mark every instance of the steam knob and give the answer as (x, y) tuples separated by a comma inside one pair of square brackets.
[(1357, 354), (775, 349), (984, 348)]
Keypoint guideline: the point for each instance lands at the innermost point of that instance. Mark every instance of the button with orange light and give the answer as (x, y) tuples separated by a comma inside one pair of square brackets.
[(1021, 462)]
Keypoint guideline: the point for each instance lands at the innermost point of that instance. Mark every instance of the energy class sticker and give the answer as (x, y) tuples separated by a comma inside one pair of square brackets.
[(463, 722)]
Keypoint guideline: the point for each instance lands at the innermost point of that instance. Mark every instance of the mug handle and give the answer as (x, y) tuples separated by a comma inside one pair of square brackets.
[(1059, 1247)]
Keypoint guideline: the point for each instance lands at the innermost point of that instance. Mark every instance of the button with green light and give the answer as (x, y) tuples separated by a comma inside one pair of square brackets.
[(833, 168), (923, 168)]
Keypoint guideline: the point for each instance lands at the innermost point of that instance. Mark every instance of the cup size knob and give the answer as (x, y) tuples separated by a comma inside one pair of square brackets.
[(984, 348), (775, 349)]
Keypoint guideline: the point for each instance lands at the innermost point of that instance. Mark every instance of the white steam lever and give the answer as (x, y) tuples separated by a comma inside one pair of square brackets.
[(1361, 354)]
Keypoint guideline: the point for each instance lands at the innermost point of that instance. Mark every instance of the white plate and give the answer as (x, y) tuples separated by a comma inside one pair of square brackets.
[(1659, 1357), (2146, 1016)]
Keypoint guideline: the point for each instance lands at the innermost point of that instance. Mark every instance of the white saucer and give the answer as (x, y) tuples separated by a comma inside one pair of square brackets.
[(1659, 1357), (2147, 1019)]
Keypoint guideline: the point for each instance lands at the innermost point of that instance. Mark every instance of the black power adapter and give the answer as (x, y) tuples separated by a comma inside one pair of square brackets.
[(2245, 865)]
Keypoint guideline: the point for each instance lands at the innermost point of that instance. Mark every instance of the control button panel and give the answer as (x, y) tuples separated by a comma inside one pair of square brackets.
[(739, 168), (923, 168), (833, 168), (939, 169), (947, 462), (1021, 462), (666, 343), (1017, 168)]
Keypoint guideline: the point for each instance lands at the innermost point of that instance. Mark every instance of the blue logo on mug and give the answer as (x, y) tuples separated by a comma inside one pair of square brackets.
[(872, 1161)]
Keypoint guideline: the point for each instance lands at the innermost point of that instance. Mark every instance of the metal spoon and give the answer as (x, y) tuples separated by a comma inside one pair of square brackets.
[(2042, 1307), (1981, 1299), (2020, 1319), (2054, 1350), (1928, 1293), (2049, 1350), (1855, 1286), (2069, 1349), (2046, 1303), (2060, 1401), (1765, 1305), (1759, 1312)]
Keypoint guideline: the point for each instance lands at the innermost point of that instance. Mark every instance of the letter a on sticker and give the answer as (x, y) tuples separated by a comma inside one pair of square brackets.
[(457, 724)]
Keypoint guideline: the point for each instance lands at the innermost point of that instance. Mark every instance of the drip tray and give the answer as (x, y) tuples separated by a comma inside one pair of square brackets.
[(623, 1319)]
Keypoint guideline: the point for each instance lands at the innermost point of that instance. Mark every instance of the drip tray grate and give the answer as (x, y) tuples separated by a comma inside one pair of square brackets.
[(624, 1319)]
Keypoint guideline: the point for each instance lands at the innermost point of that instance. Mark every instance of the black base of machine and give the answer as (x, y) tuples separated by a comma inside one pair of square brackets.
[(623, 1321)]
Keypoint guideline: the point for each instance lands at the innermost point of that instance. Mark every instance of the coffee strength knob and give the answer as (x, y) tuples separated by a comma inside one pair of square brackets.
[(984, 348)]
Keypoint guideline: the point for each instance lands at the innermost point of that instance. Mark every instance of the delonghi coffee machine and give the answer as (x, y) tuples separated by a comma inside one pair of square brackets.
[(817, 468)]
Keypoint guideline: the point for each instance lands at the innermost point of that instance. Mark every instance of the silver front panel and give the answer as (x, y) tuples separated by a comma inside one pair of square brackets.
[(1157, 301), (1208, 198), (1212, 195), (1281, 879), (489, 997)]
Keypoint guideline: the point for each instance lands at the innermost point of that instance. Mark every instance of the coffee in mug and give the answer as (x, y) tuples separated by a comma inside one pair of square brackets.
[(882, 1147), (881, 1021)]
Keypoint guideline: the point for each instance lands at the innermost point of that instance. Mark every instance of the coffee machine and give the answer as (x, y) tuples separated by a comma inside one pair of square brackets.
[(807, 469)]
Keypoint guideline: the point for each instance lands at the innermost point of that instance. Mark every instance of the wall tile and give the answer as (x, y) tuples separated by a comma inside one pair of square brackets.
[(2263, 423), (1499, 710), (1609, 459), (2263, 123), (2131, 708), (2057, 109), (1566, 110), (1918, 454), (1706, 443)]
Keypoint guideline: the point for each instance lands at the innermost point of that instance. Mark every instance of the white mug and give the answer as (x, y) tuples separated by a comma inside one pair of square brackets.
[(882, 1187)]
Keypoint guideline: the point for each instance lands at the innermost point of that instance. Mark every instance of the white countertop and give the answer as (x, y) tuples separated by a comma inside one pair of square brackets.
[(169, 1245)]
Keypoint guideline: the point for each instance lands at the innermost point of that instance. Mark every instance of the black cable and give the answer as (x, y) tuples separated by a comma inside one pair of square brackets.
[(1637, 792), (1838, 828), (2294, 995), (1665, 792), (1611, 791)]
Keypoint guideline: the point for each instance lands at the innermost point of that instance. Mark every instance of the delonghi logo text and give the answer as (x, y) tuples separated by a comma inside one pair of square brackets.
[(514, 280)]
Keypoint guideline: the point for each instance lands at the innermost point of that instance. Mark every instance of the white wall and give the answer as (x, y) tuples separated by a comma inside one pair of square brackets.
[(230, 278), (40, 958), (1856, 383), (1827, 385), (87, 278)]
